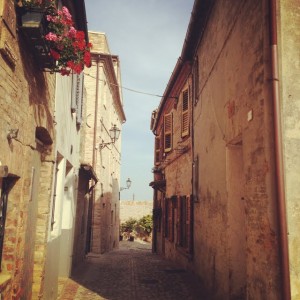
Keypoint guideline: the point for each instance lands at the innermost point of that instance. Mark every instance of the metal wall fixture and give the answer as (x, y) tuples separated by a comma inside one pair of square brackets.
[(114, 134), (128, 184)]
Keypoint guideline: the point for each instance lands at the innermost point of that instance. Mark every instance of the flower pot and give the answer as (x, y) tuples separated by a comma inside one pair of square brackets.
[(158, 176), (32, 19)]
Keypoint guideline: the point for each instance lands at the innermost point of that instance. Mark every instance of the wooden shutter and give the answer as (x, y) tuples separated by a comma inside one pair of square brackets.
[(189, 223), (168, 128), (79, 98), (166, 218), (185, 120), (179, 208), (74, 93), (157, 150)]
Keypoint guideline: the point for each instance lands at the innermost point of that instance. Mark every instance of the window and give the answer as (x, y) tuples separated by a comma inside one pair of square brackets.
[(157, 150), (184, 226), (77, 96), (57, 177), (185, 117), (3, 207), (168, 128), (166, 220), (170, 207)]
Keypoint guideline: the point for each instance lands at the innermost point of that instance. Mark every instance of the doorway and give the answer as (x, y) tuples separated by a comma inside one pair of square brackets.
[(236, 220)]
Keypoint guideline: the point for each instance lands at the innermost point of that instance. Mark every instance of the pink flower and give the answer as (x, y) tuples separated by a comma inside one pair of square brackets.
[(51, 37), (66, 13), (72, 32), (50, 18), (68, 46)]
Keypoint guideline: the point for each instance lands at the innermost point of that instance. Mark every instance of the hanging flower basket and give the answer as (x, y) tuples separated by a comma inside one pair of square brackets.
[(33, 26), (58, 46), (32, 19), (158, 175)]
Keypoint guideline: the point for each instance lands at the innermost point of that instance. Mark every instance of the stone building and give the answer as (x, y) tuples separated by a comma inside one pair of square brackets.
[(38, 129), (244, 58), (97, 228), (27, 98), (171, 125), (68, 116)]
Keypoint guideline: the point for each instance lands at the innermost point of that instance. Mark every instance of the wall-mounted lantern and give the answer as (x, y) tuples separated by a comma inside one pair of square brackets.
[(114, 134)]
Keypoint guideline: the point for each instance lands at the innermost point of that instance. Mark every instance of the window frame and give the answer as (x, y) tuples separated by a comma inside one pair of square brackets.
[(185, 112), (157, 150), (168, 132)]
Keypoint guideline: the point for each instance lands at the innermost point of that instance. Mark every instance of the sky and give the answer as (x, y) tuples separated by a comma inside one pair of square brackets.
[(148, 37)]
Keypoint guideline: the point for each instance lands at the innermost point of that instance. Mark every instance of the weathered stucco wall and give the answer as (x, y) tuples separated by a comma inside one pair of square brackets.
[(234, 142), (289, 49)]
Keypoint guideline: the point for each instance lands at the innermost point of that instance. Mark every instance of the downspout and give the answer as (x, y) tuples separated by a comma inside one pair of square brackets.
[(283, 231), (94, 145)]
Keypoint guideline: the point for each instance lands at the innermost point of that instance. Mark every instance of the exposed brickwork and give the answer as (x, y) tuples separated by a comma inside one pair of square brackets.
[(289, 48), (172, 219), (234, 74), (103, 108), (26, 101)]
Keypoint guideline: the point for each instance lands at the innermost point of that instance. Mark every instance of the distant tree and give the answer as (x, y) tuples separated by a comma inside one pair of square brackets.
[(141, 228), (129, 225), (145, 225)]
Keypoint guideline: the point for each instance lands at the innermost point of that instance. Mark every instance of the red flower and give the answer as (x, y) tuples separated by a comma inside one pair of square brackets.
[(70, 64), (68, 46), (80, 35), (64, 71), (54, 54), (77, 68), (87, 58)]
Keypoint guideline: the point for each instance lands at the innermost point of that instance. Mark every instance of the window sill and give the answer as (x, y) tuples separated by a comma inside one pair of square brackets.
[(4, 280)]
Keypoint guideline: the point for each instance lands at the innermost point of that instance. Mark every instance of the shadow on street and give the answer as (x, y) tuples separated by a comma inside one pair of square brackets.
[(131, 273)]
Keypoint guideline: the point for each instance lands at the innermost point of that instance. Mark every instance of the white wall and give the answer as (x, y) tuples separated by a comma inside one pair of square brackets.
[(60, 237)]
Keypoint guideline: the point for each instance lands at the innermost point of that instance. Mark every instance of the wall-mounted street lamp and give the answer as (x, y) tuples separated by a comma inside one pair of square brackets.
[(114, 134), (128, 184)]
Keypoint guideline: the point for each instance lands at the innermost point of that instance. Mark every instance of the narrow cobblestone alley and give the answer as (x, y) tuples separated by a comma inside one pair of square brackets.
[(131, 273)]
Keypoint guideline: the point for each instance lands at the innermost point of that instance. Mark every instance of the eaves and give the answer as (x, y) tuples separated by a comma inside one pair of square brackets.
[(114, 85)]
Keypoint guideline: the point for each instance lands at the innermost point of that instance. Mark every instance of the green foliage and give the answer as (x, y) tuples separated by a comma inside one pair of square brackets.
[(128, 225), (141, 228), (145, 224)]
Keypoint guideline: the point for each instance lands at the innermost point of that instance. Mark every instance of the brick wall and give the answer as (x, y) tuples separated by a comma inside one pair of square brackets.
[(234, 113), (26, 101)]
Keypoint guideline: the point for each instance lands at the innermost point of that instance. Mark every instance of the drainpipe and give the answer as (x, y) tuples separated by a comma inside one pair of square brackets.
[(94, 145), (283, 231)]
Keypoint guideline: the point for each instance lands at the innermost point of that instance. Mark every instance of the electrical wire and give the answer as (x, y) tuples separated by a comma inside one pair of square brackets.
[(129, 89)]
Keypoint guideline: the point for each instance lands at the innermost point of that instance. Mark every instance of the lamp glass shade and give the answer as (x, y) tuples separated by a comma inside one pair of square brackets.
[(128, 183), (114, 133)]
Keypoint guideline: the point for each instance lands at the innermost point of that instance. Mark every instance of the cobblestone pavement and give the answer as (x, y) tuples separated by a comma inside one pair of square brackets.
[(131, 273)]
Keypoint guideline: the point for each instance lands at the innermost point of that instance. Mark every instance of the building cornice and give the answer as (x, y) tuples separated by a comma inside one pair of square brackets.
[(107, 60)]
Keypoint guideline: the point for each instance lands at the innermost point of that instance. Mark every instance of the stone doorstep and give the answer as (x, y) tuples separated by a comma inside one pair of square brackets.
[(61, 285), (93, 255)]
